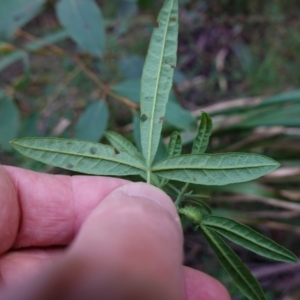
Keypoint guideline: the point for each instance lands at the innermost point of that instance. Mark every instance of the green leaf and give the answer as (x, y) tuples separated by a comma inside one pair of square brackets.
[(9, 121), (93, 122), (239, 273), (161, 151), (129, 88), (84, 22), (157, 78), (215, 169), (122, 144), (283, 98), (248, 238), (174, 147), (80, 156), (179, 117), (202, 138), (16, 13), (132, 67)]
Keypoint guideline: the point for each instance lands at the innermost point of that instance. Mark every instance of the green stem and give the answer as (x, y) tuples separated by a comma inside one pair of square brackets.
[(149, 176), (179, 198)]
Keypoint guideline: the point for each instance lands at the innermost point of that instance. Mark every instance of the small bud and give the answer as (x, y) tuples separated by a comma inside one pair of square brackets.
[(191, 213)]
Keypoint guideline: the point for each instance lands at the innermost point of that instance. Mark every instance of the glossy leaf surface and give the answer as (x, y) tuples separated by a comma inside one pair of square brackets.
[(157, 77), (248, 238), (217, 169), (239, 273), (80, 156), (93, 122), (202, 138), (84, 22)]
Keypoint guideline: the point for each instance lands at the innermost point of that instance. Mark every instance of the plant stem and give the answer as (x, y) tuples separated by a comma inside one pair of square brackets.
[(179, 198), (149, 176)]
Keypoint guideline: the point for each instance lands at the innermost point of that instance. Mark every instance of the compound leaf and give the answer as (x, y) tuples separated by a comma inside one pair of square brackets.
[(84, 22), (202, 138), (215, 169), (157, 78), (93, 122), (122, 144), (239, 273), (80, 156), (248, 238)]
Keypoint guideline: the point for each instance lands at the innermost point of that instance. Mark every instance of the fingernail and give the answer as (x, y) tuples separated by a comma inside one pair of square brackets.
[(152, 193)]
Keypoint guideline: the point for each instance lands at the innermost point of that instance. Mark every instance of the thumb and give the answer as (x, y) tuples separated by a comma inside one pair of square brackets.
[(130, 247)]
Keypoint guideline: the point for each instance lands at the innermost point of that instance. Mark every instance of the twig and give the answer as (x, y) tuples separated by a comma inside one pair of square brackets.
[(104, 87), (57, 50)]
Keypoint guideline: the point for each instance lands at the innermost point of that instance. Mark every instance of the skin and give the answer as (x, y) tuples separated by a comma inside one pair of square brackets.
[(85, 237)]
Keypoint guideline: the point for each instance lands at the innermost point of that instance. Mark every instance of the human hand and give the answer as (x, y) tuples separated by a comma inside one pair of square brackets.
[(124, 241)]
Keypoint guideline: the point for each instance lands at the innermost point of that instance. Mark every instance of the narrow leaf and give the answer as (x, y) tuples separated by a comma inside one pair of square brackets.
[(93, 122), (84, 22), (80, 156), (202, 138), (157, 77), (248, 238), (174, 147), (122, 144), (239, 273), (216, 169)]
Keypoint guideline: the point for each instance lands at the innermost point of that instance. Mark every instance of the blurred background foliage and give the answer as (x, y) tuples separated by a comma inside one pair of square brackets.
[(72, 68)]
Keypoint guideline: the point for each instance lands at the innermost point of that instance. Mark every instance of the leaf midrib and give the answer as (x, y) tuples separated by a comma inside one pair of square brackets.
[(228, 259), (189, 167), (85, 155), (149, 161)]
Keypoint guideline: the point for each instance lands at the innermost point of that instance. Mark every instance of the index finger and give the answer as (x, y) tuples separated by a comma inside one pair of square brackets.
[(44, 210)]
